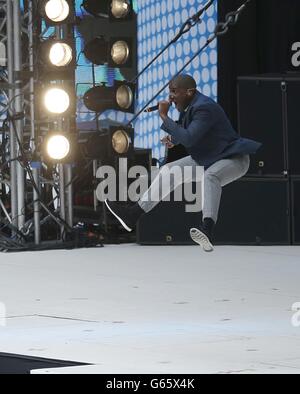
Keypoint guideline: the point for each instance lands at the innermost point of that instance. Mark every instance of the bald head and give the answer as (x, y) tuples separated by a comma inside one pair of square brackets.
[(182, 91), (183, 81)]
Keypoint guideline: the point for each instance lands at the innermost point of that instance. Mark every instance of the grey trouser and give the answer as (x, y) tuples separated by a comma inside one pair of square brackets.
[(215, 177)]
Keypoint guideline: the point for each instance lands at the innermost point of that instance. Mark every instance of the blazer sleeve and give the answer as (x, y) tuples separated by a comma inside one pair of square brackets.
[(173, 139), (190, 136)]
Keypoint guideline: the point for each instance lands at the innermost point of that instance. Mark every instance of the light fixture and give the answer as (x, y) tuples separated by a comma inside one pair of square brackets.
[(60, 54), (57, 54), (56, 100), (120, 142), (57, 147), (57, 11), (124, 96), (109, 143), (120, 52), (113, 9), (117, 52), (120, 9), (120, 97)]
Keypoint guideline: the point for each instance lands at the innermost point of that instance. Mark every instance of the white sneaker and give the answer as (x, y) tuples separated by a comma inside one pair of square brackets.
[(201, 239)]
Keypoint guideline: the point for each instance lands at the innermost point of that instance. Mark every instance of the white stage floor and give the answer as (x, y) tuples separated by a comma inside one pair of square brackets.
[(139, 309)]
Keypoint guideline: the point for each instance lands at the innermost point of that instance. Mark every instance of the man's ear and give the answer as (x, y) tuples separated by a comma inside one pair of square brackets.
[(191, 92)]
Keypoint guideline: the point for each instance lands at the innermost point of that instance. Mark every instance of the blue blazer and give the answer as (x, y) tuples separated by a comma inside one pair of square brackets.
[(207, 134)]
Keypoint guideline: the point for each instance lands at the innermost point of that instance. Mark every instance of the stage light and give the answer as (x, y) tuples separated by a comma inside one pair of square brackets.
[(57, 54), (124, 97), (116, 52), (120, 97), (58, 147), (56, 100), (120, 52), (57, 59), (57, 11), (60, 54), (109, 143), (120, 142), (118, 9)]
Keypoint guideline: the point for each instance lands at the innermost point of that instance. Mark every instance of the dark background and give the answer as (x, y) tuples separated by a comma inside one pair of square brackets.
[(260, 43)]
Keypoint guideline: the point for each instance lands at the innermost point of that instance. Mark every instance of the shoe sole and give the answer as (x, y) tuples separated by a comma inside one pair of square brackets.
[(118, 217), (201, 239)]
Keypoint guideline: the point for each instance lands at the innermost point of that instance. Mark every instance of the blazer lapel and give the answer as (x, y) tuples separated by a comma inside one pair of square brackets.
[(184, 118), (187, 116)]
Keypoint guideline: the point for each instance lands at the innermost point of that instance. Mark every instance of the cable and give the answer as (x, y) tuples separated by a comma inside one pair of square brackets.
[(78, 57), (82, 10), (221, 28), (231, 19), (189, 23)]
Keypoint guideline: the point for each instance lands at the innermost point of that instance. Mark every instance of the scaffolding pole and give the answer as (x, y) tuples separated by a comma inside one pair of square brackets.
[(33, 136), (18, 123), (20, 91), (11, 94)]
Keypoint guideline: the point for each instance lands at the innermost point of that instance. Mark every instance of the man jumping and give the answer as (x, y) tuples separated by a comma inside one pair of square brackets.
[(211, 142)]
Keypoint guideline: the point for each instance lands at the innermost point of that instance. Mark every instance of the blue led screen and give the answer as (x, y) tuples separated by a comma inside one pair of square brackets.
[(158, 23)]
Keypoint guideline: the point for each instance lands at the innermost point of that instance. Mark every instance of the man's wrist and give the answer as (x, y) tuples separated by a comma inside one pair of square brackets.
[(163, 116)]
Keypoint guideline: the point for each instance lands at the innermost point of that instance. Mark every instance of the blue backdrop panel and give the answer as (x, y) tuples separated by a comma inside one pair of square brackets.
[(158, 23)]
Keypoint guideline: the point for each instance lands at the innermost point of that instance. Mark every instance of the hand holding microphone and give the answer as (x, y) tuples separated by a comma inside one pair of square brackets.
[(167, 141), (152, 109), (163, 108), (162, 104)]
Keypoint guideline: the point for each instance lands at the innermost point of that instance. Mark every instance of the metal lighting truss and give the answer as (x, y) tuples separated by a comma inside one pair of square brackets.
[(19, 30)]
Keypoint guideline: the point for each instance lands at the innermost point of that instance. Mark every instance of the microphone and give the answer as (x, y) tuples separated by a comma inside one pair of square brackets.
[(152, 109)]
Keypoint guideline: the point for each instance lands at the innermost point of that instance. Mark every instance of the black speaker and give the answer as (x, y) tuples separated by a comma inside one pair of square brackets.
[(260, 117), (293, 125), (167, 224), (268, 112), (255, 211), (295, 192)]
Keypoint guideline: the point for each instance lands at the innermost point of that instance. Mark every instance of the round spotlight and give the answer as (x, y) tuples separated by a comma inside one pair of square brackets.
[(58, 147), (120, 142), (120, 8), (119, 97), (120, 52), (56, 100), (124, 97), (60, 54), (57, 10)]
